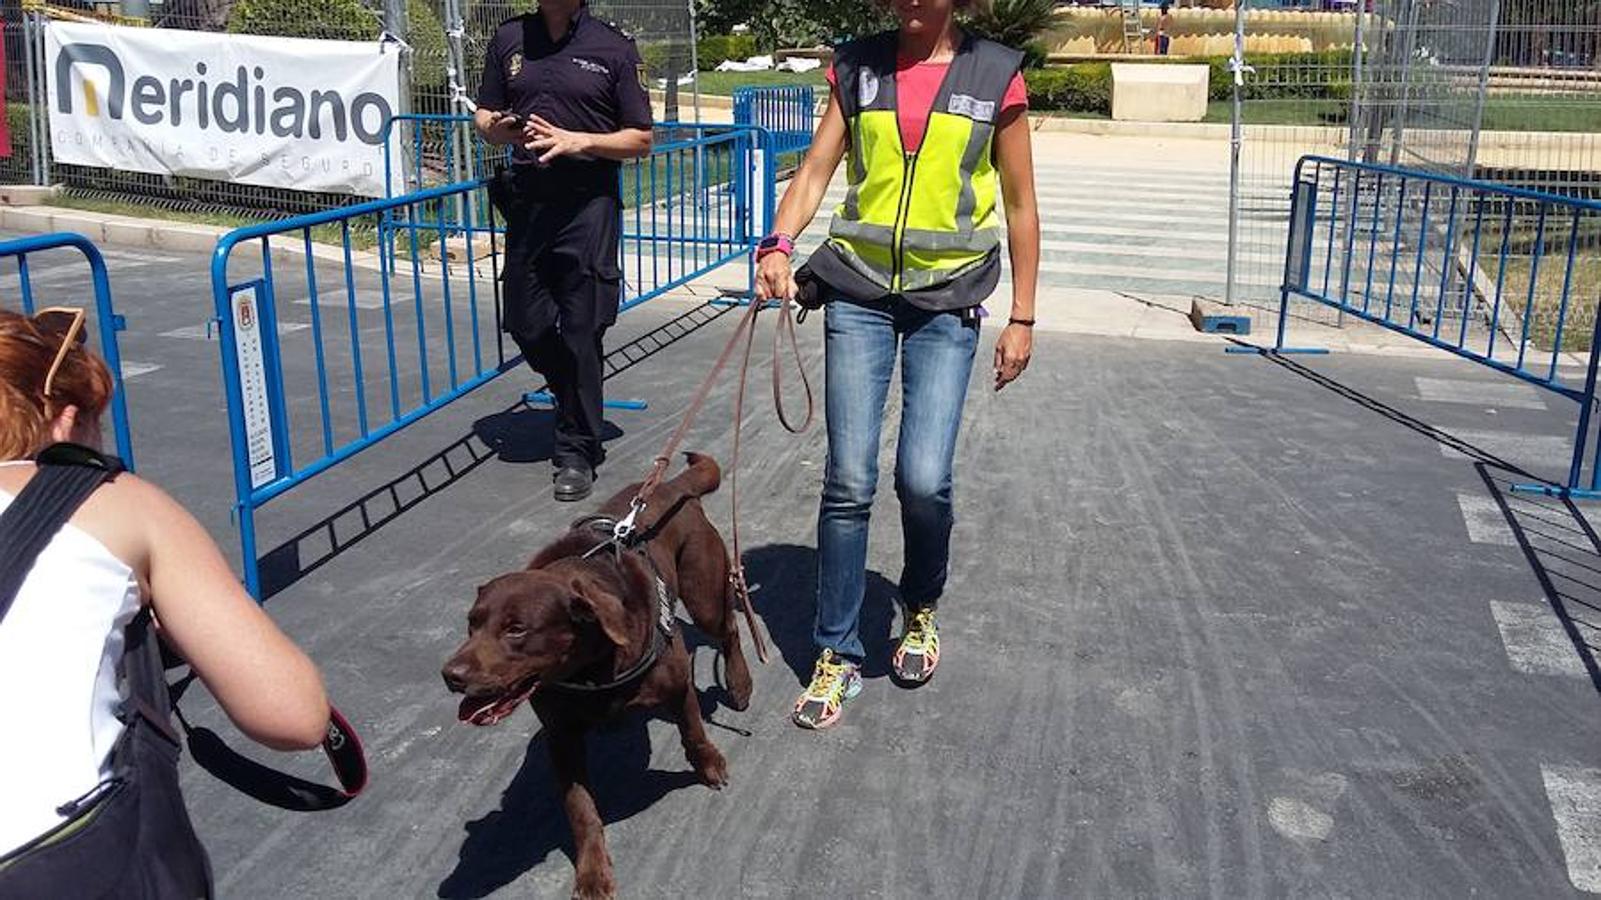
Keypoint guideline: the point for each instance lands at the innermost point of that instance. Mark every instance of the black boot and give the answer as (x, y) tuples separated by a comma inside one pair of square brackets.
[(574, 483)]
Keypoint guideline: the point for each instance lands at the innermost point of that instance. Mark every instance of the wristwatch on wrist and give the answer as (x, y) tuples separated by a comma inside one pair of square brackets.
[(777, 242)]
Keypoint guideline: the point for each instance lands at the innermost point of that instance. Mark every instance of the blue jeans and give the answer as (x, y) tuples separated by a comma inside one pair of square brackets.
[(936, 352)]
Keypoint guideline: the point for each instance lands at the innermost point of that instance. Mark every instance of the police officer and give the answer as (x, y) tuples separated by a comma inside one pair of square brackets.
[(567, 91)]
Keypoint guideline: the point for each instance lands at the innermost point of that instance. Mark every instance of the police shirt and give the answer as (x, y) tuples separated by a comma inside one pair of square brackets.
[(591, 79)]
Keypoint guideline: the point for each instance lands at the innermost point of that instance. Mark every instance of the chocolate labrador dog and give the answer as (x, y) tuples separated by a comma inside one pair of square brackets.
[(585, 636)]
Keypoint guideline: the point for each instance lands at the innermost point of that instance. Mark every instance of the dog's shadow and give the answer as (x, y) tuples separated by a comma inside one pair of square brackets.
[(783, 578), (530, 823)]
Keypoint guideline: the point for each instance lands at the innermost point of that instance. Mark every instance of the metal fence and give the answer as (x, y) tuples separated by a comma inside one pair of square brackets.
[(1497, 90), (1504, 277), (443, 44), (401, 328), (789, 112), (49, 265)]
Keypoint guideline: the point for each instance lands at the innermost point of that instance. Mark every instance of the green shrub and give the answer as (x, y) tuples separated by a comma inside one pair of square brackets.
[(1296, 76), (344, 20), (655, 55), (1036, 54), (1081, 87), (348, 20), (1015, 23), (1087, 87), (430, 52), (712, 50)]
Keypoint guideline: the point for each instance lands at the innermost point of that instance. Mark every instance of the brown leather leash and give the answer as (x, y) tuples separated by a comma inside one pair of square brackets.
[(746, 331)]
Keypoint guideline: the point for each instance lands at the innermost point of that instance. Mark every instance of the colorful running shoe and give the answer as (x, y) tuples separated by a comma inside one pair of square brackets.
[(834, 681), (918, 652)]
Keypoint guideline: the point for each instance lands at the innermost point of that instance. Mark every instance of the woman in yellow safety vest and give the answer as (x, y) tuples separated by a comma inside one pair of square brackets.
[(932, 122)]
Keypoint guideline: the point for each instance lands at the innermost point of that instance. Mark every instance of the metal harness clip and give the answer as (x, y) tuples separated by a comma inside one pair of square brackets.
[(625, 525)]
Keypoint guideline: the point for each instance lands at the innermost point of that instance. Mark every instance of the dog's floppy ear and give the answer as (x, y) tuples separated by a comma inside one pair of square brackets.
[(591, 603)]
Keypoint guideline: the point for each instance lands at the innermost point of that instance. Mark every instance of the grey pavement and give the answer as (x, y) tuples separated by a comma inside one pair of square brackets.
[(1217, 626)]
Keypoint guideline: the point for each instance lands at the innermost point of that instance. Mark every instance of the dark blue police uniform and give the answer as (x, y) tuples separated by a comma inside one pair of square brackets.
[(563, 284)]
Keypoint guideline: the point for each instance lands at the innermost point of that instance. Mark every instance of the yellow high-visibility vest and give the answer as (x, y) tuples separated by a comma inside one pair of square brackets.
[(923, 224)]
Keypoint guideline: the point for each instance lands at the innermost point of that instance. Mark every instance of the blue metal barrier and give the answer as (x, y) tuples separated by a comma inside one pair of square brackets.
[(788, 111), (107, 322), (466, 158), (381, 351), (693, 206), (1505, 277)]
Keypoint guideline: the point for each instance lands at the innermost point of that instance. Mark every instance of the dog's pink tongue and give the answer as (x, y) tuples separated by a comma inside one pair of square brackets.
[(476, 710)]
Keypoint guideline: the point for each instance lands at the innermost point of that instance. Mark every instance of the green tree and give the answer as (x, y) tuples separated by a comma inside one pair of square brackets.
[(1015, 23), (807, 23), (720, 16), (347, 20)]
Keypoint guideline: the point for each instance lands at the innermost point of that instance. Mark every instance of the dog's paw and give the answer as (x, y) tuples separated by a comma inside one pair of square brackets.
[(711, 767), (595, 886)]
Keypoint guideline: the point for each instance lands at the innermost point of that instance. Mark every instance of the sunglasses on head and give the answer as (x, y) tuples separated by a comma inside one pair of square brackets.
[(66, 324)]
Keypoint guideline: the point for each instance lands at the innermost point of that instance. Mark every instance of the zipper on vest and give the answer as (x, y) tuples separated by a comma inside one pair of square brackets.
[(903, 209)]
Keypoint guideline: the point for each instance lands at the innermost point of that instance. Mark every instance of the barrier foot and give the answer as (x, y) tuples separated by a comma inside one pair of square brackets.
[(543, 398), (1557, 490), (1280, 351)]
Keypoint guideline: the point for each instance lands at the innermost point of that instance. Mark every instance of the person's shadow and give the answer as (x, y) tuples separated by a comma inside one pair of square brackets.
[(783, 579), (530, 823), (526, 434)]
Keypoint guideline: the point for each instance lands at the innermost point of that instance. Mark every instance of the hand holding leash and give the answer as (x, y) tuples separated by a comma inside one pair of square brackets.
[(775, 278)]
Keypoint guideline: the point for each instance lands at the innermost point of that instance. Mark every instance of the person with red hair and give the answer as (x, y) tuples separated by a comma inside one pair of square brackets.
[(127, 549)]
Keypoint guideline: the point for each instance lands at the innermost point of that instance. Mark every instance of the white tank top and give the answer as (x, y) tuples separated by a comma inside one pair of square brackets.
[(60, 646)]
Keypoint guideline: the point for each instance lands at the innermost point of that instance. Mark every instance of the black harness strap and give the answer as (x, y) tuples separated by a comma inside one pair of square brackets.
[(666, 606)]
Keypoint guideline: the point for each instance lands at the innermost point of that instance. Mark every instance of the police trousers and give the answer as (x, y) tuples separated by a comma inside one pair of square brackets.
[(563, 288)]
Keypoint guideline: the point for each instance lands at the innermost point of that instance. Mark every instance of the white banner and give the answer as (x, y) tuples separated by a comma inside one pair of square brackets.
[(277, 112)]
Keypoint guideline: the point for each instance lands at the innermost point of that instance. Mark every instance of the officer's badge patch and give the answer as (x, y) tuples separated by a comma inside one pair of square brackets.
[(644, 80), (866, 87), (514, 65)]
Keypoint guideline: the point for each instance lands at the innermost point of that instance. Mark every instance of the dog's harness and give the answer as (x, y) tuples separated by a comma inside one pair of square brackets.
[(666, 602)]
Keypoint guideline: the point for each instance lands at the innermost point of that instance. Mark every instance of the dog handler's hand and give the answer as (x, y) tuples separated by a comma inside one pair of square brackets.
[(775, 279), (1012, 353)]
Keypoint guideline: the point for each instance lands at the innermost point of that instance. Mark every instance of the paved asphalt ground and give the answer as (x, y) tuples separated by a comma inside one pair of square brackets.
[(1217, 626)]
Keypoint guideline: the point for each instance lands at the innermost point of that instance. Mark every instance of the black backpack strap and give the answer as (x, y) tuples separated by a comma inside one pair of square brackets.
[(67, 475), (142, 668)]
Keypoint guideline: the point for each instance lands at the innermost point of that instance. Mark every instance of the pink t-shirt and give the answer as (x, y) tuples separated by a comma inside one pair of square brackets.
[(916, 85)]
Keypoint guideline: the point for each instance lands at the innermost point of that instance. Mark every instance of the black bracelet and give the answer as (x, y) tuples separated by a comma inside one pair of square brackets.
[(1026, 323)]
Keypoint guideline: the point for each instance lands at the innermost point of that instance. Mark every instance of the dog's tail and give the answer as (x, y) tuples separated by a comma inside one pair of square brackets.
[(702, 477)]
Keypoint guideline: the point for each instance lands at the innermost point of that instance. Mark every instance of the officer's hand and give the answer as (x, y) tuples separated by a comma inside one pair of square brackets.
[(775, 279), (505, 129), (550, 142)]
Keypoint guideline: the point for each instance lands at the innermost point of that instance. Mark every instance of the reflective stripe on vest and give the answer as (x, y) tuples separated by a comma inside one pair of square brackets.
[(911, 221)]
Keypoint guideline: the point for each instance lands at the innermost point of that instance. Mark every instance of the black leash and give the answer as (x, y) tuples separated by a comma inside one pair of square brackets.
[(341, 745)]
